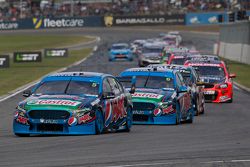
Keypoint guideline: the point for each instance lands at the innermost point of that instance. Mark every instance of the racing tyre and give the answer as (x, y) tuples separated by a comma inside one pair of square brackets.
[(99, 123), (230, 101), (178, 115), (197, 107), (190, 120), (129, 120), (22, 135)]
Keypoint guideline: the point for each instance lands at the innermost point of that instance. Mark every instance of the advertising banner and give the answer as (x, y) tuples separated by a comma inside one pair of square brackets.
[(20, 57), (144, 20), (205, 18), (4, 61), (56, 52)]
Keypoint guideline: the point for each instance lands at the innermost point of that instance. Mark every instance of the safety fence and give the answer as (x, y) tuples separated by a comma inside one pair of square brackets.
[(235, 41)]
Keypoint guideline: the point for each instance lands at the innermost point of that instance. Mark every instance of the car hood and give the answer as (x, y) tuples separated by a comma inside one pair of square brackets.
[(212, 79), (153, 95), (62, 102), (148, 55)]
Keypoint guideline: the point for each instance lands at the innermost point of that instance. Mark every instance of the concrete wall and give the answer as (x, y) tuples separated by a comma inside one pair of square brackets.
[(235, 42)]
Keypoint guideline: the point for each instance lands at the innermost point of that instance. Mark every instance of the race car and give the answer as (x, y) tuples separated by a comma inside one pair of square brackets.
[(74, 103), (161, 96), (192, 80), (218, 82), (177, 58), (120, 51), (174, 55), (150, 54)]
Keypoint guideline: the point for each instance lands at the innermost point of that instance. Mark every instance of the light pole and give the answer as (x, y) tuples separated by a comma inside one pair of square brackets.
[(72, 8)]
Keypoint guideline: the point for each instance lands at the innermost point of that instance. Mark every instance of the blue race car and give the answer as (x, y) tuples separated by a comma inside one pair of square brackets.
[(192, 80), (74, 103), (120, 51), (161, 96)]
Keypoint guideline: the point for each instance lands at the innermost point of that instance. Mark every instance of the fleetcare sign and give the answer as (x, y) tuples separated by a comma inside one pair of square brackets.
[(54, 102)]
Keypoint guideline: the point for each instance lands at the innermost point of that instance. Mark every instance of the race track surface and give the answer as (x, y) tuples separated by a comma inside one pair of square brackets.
[(221, 137)]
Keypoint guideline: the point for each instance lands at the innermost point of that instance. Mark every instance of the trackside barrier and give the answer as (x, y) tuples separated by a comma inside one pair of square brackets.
[(235, 41)]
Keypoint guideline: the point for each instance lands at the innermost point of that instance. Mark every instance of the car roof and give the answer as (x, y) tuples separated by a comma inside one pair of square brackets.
[(120, 44), (146, 70), (79, 74)]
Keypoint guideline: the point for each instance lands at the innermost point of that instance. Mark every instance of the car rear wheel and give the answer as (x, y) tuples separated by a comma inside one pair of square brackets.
[(99, 123), (178, 115), (191, 117)]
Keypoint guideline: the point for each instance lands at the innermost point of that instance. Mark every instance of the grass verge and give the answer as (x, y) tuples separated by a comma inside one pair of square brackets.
[(20, 74), (241, 70), (11, 43)]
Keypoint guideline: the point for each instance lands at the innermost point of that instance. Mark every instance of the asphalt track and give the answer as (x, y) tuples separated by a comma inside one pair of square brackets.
[(221, 137)]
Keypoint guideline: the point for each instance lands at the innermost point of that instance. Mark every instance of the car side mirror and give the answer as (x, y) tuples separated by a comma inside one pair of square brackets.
[(27, 93), (182, 89), (132, 90), (232, 76), (108, 95)]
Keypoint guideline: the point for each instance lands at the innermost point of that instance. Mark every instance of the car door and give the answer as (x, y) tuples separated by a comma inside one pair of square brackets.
[(118, 103), (184, 97), (107, 103)]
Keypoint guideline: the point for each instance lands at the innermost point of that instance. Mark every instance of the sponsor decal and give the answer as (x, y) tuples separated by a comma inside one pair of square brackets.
[(57, 22), (209, 92), (194, 20), (48, 121), (9, 26), (22, 120), (138, 112), (204, 64), (139, 20), (147, 95), (168, 110), (85, 118), (147, 20), (72, 121), (95, 102), (56, 52), (213, 19), (37, 22), (157, 112), (27, 57), (54, 102), (4, 61), (108, 21), (114, 110)]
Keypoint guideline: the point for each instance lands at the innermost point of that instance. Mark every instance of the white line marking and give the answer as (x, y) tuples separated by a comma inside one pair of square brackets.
[(153, 164), (23, 88), (241, 160), (172, 163), (17, 92), (212, 162), (95, 48), (236, 87)]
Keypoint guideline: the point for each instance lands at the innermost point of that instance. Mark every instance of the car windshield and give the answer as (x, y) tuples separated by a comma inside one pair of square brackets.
[(186, 74), (118, 47), (152, 82), (180, 61), (151, 50), (209, 71), (68, 87)]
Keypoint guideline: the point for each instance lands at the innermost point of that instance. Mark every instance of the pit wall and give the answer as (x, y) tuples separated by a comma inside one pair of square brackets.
[(235, 41)]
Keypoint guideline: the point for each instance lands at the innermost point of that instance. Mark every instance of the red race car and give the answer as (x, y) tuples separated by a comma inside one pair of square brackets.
[(218, 82)]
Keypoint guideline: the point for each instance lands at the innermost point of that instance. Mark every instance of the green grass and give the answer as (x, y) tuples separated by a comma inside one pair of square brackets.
[(11, 43), (20, 74), (241, 70)]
